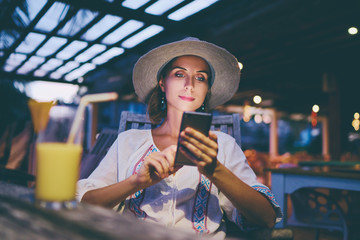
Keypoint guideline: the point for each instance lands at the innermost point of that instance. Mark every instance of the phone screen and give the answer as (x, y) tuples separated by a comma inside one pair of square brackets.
[(198, 121)]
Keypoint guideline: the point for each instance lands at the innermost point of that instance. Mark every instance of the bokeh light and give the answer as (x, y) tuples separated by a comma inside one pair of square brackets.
[(316, 108), (352, 30), (257, 99)]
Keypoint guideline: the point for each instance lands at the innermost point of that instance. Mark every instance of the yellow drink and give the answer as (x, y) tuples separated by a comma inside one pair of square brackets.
[(57, 171)]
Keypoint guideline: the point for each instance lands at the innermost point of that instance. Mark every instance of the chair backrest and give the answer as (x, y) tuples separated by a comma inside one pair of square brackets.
[(312, 208), (229, 124), (102, 144), (129, 120)]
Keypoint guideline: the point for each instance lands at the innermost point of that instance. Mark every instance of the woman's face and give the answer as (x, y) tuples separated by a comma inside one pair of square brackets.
[(186, 83)]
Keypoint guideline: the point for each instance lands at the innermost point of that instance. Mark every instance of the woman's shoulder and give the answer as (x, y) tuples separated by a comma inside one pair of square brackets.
[(134, 137), (224, 136), (135, 133)]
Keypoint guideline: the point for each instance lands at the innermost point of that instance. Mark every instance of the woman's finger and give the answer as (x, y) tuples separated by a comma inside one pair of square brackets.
[(213, 136), (170, 154), (196, 138), (197, 154), (195, 134), (189, 155), (158, 166), (197, 148)]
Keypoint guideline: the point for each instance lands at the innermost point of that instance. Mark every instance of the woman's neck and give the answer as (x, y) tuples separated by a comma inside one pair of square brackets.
[(171, 125)]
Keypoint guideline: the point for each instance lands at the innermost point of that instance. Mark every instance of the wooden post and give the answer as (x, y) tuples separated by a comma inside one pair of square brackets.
[(325, 137), (274, 140)]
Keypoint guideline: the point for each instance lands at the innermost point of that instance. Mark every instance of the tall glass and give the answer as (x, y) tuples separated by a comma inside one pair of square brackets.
[(57, 160)]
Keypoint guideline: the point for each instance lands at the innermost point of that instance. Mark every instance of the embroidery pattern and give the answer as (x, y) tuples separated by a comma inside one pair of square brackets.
[(239, 220), (201, 205), (137, 198), (266, 191)]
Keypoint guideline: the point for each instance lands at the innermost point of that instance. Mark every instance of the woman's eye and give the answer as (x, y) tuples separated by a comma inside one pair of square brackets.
[(179, 75), (200, 78)]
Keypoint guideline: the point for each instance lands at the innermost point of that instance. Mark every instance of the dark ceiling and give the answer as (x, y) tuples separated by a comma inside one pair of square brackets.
[(295, 52)]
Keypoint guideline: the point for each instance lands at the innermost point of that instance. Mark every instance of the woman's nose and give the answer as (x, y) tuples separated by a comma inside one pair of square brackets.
[(189, 83)]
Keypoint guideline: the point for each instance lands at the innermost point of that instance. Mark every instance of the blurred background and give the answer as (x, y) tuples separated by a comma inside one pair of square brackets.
[(298, 59), (297, 98)]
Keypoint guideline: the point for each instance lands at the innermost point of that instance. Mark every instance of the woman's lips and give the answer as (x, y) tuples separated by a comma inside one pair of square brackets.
[(185, 98)]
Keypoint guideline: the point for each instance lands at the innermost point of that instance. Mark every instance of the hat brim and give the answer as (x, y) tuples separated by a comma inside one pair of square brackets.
[(225, 68)]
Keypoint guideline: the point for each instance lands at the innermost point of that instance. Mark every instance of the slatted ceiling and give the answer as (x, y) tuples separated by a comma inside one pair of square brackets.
[(96, 19), (25, 33), (102, 28), (146, 5), (77, 22), (280, 43), (51, 46), (53, 19), (141, 35), (53, 23), (157, 8), (120, 31)]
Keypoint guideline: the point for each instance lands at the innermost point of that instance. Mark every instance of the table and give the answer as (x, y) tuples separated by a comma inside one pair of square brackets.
[(288, 180), (21, 219), (350, 164), (335, 166), (15, 176)]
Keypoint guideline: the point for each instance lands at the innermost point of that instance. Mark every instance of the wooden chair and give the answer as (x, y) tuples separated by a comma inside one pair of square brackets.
[(129, 120), (102, 144), (318, 210), (229, 124)]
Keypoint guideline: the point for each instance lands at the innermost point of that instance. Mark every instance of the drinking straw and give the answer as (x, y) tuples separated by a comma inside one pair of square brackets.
[(85, 100), (40, 113)]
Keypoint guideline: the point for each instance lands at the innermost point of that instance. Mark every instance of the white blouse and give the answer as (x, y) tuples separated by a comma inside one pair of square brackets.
[(187, 199)]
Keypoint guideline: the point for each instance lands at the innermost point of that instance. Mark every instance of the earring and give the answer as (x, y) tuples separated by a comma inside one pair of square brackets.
[(163, 102), (201, 109)]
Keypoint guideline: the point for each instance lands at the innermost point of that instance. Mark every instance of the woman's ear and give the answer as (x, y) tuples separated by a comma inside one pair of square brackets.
[(161, 84)]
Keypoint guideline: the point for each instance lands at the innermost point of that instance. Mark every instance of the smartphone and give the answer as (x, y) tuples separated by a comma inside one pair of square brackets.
[(197, 120)]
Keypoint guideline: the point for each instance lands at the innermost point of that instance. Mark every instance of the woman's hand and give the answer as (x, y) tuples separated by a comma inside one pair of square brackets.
[(203, 150), (157, 166)]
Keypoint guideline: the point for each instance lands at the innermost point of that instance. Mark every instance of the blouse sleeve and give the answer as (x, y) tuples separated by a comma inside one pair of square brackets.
[(231, 155), (113, 167), (105, 174)]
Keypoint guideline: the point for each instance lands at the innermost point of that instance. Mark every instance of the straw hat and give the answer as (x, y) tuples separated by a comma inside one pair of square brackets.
[(225, 70)]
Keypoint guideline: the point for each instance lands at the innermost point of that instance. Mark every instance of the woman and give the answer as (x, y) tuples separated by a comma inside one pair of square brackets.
[(139, 168)]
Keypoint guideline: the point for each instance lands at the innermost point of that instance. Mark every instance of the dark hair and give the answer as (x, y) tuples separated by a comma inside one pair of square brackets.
[(156, 115)]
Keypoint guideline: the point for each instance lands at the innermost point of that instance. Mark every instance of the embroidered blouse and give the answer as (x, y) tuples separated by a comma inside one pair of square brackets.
[(187, 199)]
